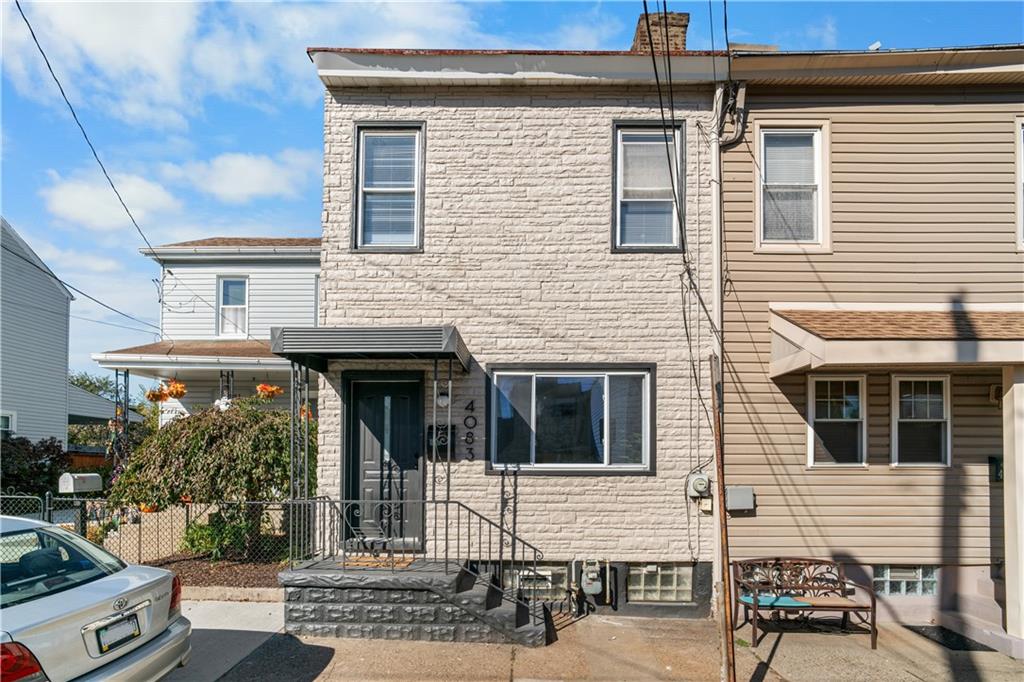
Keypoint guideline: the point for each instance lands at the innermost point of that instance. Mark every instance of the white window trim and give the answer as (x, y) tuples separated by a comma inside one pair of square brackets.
[(1018, 135), (607, 465), (676, 177), (417, 236), (821, 129), (13, 416), (220, 306), (862, 396), (894, 420)]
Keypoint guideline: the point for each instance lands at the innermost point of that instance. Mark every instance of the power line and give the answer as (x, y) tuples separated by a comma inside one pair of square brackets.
[(76, 289), (664, 124), (110, 324), (728, 47), (74, 115), (110, 180)]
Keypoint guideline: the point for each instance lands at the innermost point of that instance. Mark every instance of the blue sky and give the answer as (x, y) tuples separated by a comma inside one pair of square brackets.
[(209, 115)]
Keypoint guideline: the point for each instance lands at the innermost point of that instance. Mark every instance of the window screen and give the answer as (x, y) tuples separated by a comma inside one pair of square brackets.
[(649, 165), (789, 191), (921, 421), (388, 188), (837, 421)]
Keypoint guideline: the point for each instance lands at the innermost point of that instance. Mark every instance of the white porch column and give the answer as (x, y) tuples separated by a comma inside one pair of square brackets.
[(1013, 497)]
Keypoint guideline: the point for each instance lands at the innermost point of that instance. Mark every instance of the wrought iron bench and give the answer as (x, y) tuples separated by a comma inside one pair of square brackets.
[(798, 586)]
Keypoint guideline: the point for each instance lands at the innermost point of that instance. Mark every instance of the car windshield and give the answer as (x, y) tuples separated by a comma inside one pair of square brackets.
[(38, 562)]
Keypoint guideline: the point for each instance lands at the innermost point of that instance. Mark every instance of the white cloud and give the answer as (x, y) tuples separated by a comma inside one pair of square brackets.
[(824, 33), (65, 260), (154, 63), (86, 200), (236, 178)]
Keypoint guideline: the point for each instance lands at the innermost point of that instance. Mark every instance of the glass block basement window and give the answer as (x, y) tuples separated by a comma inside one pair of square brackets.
[(549, 583), (905, 580), (660, 583)]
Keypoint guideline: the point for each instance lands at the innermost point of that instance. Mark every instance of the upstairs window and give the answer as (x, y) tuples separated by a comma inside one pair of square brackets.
[(836, 424), (7, 425), (571, 420), (792, 196), (233, 306), (389, 188), (920, 421), (647, 168)]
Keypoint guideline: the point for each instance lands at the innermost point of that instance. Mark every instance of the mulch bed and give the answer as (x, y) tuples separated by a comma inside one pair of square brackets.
[(201, 571)]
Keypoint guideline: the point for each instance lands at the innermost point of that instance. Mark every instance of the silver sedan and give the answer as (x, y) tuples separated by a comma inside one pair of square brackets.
[(71, 611)]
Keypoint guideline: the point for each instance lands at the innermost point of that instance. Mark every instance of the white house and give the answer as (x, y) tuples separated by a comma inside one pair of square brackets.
[(219, 298)]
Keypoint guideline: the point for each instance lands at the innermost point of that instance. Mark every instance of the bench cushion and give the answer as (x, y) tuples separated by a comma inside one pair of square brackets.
[(781, 601)]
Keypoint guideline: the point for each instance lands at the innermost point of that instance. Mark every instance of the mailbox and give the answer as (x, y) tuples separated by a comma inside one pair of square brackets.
[(79, 483)]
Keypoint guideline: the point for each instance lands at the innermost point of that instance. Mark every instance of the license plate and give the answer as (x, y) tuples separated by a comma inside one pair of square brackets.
[(116, 634)]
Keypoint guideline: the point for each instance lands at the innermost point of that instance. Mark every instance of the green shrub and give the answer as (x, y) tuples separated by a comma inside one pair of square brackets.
[(31, 468)]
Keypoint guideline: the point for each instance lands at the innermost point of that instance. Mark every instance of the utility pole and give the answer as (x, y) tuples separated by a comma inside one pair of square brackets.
[(728, 640)]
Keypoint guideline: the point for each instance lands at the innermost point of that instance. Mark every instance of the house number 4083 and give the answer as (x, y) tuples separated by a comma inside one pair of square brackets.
[(469, 422)]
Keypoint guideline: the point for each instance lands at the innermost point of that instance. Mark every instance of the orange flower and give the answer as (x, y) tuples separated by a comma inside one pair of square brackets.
[(147, 508), (269, 391), (158, 394), (305, 411), (176, 389)]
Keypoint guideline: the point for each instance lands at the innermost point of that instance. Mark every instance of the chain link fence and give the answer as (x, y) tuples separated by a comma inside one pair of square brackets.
[(241, 543)]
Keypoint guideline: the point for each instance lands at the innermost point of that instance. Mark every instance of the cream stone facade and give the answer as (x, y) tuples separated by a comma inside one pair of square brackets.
[(518, 202)]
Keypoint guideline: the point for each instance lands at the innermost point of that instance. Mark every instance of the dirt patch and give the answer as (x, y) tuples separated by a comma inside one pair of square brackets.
[(201, 571)]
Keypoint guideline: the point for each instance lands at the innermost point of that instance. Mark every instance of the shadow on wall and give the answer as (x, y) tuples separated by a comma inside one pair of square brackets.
[(953, 502)]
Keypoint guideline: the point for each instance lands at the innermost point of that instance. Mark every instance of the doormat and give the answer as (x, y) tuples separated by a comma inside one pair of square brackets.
[(953, 641), (379, 561)]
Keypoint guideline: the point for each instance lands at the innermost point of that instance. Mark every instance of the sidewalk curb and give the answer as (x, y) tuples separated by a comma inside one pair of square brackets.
[(217, 593)]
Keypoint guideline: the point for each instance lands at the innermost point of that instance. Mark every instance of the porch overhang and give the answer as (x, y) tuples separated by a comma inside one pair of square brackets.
[(804, 339), (173, 358), (314, 347)]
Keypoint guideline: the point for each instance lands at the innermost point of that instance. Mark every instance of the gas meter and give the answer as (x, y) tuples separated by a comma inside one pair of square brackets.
[(590, 578)]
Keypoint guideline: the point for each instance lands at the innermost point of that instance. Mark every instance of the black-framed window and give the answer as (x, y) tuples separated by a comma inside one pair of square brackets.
[(389, 187), (648, 179), (572, 418)]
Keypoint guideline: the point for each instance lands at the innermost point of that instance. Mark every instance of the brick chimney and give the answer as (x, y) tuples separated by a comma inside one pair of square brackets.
[(677, 23)]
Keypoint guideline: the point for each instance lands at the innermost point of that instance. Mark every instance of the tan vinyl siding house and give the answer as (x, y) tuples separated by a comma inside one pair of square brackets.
[(918, 196)]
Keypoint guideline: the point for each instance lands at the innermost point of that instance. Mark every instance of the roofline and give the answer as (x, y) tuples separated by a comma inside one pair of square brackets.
[(436, 52), (39, 261), (200, 252), (361, 67), (895, 50), (999, 62), (160, 361)]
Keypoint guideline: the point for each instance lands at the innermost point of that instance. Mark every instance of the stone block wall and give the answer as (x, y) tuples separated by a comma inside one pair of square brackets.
[(517, 255)]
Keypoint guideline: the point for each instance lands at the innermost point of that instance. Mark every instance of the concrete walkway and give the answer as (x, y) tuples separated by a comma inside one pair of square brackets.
[(615, 648), (224, 633)]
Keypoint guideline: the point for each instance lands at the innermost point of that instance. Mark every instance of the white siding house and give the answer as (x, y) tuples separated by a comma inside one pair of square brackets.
[(219, 299), (34, 310)]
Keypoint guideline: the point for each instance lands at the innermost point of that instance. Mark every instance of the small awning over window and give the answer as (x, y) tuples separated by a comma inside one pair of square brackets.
[(314, 346), (804, 339)]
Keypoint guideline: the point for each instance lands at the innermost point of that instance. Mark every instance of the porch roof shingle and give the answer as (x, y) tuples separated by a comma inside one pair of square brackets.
[(854, 325), (215, 349)]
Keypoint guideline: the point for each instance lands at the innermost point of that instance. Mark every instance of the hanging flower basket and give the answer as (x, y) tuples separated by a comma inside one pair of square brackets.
[(176, 389), (268, 391), (158, 394)]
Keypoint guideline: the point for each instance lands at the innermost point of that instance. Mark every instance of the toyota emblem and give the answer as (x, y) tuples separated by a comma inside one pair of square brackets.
[(120, 603)]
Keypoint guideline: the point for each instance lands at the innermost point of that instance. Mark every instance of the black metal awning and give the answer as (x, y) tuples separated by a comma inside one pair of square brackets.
[(315, 346)]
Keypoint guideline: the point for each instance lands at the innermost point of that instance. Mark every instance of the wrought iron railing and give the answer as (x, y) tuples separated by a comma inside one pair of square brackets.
[(418, 535)]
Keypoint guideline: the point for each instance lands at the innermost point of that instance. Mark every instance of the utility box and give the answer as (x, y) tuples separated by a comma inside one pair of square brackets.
[(79, 483), (739, 498)]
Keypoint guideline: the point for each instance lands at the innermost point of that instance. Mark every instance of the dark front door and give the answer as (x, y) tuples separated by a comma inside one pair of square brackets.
[(387, 454)]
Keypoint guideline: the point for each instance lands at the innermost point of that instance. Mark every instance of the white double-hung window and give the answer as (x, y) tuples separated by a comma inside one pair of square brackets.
[(648, 182), (233, 306), (836, 423), (921, 425), (791, 188), (571, 419), (389, 191)]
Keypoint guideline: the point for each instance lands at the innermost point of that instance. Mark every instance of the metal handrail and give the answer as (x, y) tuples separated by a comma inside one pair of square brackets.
[(398, 533)]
